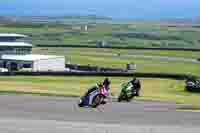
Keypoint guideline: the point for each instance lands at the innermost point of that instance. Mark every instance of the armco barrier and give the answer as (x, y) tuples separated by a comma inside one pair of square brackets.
[(105, 74), (88, 68)]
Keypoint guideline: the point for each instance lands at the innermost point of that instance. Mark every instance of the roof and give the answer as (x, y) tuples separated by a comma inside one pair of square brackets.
[(12, 35), (29, 57), (15, 44)]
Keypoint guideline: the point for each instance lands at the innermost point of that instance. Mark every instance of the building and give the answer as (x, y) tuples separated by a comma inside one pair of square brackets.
[(11, 37), (18, 55), (86, 28)]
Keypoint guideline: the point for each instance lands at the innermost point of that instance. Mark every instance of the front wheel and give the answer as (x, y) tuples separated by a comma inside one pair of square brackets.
[(128, 99), (119, 99), (122, 96), (81, 103)]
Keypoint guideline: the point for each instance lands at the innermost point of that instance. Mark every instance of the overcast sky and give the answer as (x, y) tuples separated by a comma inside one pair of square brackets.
[(113, 8)]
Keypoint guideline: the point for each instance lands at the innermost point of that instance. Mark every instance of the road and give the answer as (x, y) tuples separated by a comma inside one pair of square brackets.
[(161, 58), (30, 114)]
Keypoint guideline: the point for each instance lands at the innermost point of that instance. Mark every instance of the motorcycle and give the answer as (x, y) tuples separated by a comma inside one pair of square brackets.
[(95, 98), (193, 85), (127, 92)]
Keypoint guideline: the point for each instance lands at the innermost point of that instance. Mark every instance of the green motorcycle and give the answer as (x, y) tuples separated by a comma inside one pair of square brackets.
[(127, 93)]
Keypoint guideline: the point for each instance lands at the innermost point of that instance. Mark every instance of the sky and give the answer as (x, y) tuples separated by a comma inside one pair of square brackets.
[(111, 8)]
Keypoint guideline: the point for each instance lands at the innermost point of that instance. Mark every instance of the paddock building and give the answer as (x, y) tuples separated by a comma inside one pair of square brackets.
[(16, 55)]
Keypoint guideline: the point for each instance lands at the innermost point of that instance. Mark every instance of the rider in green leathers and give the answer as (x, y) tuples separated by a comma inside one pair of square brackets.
[(130, 89), (136, 85)]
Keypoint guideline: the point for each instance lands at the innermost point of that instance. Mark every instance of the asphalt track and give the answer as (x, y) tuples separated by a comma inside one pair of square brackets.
[(31, 114), (160, 58)]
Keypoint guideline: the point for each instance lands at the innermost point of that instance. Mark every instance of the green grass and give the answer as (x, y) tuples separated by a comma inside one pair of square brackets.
[(96, 51), (102, 57), (68, 34), (191, 107), (165, 90)]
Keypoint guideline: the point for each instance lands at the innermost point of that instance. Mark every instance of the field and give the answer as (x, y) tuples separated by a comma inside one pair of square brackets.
[(113, 34), (104, 58)]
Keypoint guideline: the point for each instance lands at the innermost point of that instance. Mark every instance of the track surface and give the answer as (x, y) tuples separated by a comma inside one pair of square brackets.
[(161, 58), (22, 114)]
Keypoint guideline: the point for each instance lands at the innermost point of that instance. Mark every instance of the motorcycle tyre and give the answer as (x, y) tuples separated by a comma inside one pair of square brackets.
[(97, 101)]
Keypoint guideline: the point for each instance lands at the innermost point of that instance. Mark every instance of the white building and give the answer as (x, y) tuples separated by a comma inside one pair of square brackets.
[(17, 55)]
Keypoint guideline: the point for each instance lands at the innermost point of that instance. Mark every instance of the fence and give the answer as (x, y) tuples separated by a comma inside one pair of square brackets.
[(105, 74)]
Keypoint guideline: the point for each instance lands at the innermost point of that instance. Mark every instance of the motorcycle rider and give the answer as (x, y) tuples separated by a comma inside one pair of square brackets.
[(105, 83), (136, 85)]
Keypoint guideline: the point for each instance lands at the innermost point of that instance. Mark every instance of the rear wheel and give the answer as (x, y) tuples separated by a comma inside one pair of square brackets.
[(97, 100), (103, 102), (128, 99), (137, 93), (119, 99)]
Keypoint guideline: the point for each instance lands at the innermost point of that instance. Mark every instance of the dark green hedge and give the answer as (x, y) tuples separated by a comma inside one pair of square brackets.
[(117, 47), (110, 74)]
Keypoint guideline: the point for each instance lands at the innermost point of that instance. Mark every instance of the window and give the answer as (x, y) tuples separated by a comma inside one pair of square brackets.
[(22, 51), (26, 65)]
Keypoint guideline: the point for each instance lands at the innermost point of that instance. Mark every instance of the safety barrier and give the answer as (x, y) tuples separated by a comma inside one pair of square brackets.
[(90, 68), (105, 74)]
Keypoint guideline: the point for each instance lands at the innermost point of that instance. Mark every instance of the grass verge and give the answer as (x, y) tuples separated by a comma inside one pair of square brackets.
[(191, 107), (164, 90)]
